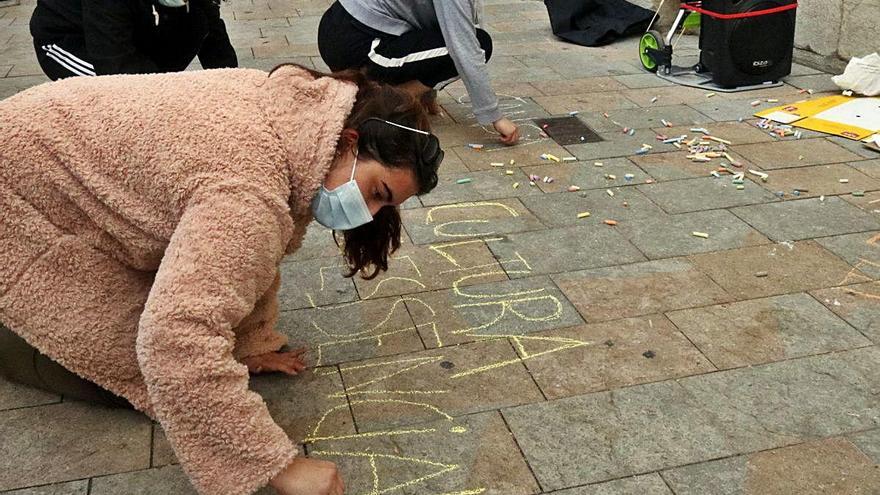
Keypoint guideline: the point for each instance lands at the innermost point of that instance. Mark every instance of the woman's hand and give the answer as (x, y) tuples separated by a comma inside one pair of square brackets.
[(508, 130), (288, 362), (306, 476)]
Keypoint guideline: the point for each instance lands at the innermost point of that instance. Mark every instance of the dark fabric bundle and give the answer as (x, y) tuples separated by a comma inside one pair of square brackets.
[(596, 22)]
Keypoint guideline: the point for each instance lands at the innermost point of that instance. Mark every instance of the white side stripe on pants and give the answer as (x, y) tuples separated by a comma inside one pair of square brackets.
[(412, 57), (67, 63), (73, 57)]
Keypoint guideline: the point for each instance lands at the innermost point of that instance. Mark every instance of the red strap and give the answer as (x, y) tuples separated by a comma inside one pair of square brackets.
[(741, 15)]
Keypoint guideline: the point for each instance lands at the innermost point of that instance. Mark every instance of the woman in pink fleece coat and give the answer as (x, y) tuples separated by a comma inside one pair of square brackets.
[(143, 222)]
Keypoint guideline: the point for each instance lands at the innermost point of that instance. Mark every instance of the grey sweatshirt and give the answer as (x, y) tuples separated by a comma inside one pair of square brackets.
[(457, 20)]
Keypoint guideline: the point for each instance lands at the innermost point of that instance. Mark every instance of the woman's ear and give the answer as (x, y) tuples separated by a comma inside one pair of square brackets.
[(348, 139)]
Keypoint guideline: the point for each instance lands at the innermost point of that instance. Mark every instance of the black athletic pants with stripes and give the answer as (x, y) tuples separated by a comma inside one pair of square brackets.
[(64, 58), (346, 43)]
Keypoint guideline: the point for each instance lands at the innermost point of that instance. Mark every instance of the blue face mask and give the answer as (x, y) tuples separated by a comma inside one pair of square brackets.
[(343, 208)]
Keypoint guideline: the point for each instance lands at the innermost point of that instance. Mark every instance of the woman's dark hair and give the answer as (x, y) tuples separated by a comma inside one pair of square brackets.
[(366, 248)]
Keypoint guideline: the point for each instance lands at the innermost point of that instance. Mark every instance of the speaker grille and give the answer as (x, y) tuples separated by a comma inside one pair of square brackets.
[(758, 44)]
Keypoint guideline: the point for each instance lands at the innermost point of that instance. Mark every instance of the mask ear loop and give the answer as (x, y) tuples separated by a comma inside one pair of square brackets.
[(354, 166)]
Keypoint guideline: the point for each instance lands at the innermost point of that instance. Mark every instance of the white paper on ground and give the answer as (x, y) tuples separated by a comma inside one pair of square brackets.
[(860, 112), (783, 117)]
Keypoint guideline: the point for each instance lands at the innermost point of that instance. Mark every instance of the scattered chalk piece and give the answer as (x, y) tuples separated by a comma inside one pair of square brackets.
[(464, 181), (761, 274), (702, 235), (584, 214), (611, 222)]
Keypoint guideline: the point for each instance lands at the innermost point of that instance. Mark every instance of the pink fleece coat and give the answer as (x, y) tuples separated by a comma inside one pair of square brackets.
[(143, 221)]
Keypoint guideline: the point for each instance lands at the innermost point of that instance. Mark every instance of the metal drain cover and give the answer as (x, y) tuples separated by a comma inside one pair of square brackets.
[(568, 130)]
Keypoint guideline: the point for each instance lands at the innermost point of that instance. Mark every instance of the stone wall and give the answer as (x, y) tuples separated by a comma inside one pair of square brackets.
[(830, 32)]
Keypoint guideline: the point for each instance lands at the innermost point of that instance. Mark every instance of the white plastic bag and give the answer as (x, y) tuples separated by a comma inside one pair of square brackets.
[(862, 75)]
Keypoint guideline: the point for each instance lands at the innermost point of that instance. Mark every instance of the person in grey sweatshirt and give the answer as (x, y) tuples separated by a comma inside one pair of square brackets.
[(420, 45)]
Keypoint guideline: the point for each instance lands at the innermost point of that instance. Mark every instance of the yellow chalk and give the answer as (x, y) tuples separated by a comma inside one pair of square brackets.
[(553, 157), (508, 172), (584, 214), (515, 185), (700, 234)]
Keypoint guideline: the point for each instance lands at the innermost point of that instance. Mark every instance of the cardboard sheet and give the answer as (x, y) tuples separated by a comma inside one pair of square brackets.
[(846, 116)]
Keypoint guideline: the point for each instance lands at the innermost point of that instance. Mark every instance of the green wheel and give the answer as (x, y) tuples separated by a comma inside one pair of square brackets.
[(651, 39)]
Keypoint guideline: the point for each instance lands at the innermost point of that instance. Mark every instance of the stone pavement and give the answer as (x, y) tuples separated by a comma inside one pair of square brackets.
[(515, 348)]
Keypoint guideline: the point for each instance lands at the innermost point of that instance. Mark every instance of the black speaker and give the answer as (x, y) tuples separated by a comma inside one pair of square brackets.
[(747, 42)]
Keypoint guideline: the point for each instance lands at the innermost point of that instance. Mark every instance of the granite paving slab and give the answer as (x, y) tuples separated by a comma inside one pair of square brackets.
[(807, 219), (584, 102), (675, 165), (527, 152), (615, 172), (668, 236), (69, 441), (351, 331), (426, 386), (313, 283), (870, 202), (618, 353), (483, 186), (862, 251), (868, 167), (514, 308), (765, 330), (738, 133), (439, 266), (564, 249), (462, 221), (796, 153), (831, 465), (644, 428), (858, 304), (469, 455), (562, 209), (705, 193), (644, 118), (80, 487), (580, 86), (650, 484), (819, 180), (284, 396), (616, 143), (869, 443), (15, 395), (783, 268), (639, 289)]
